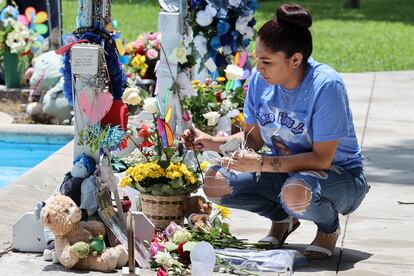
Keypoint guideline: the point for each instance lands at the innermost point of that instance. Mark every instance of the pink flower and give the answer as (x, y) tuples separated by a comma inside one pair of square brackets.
[(155, 43), (186, 116), (161, 272), (155, 248), (152, 54), (139, 45), (152, 36)]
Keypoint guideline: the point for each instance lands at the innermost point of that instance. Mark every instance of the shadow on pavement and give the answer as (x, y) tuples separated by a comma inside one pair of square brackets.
[(346, 262), (61, 268)]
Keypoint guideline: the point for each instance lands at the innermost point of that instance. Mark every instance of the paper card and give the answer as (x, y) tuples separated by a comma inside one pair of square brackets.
[(210, 65), (85, 59)]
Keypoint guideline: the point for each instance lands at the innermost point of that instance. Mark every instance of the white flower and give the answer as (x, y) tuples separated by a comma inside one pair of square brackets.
[(241, 25), (9, 21), (200, 43), (234, 3), (234, 72), (181, 235), (212, 118), (233, 113), (150, 105), (165, 259), (203, 18), (248, 33), (179, 55), (131, 96), (210, 10), (226, 106)]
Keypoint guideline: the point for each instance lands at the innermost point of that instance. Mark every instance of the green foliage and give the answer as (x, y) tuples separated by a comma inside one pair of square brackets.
[(379, 36)]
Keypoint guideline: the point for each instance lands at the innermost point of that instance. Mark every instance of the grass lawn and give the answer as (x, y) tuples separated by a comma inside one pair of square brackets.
[(377, 37)]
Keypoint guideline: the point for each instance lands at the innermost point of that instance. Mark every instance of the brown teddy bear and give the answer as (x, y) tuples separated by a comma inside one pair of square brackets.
[(197, 210), (62, 216)]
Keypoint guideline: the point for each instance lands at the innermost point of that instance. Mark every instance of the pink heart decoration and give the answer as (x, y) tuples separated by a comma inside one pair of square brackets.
[(95, 105)]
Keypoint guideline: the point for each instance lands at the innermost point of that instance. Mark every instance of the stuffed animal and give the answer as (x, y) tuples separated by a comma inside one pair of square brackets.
[(79, 185), (62, 217), (47, 102), (197, 210)]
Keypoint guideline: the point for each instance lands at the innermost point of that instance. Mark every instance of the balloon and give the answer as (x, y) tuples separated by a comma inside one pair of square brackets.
[(41, 17), (29, 13), (40, 28), (124, 59), (115, 23), (23, 20)]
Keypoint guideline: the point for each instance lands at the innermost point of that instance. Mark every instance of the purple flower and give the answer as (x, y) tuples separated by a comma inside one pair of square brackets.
[(171, 229)]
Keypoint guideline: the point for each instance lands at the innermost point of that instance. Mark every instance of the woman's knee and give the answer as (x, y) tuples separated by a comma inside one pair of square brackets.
[(296, 195), (215, 184)]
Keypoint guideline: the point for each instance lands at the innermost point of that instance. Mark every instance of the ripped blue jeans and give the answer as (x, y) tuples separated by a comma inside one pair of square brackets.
[(331, 191)]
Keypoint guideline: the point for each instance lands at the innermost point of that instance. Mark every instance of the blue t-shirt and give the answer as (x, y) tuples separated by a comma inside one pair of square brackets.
[(317, 110)]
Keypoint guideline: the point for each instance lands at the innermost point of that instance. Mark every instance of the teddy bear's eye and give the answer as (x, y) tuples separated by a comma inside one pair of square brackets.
[(66, 211)]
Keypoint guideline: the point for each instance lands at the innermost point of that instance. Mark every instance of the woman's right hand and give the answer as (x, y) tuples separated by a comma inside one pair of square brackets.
[(198, 140)]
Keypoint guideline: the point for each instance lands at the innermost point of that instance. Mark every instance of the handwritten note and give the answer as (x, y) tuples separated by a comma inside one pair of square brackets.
[(85, 59)]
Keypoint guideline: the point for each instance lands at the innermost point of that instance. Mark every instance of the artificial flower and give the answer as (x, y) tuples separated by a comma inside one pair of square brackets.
[(131, 96), (152, 54), (224, 211), (184, 254), (234, 72), (171, 229), (161, 272), (181, 235), (200, 44), (165, 259), (212, 117), (222, 27), (156, 247), (150, 105), (215, 43), (186, 116), (179, 55), (204, 165), (234, 3)]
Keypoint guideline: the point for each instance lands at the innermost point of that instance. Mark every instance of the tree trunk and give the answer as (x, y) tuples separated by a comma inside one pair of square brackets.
[(352, 4)]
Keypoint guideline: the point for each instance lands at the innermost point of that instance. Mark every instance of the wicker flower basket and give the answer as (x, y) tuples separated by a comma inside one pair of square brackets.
[(161, 210)]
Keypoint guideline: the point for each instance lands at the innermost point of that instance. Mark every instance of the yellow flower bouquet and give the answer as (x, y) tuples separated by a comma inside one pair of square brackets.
[(151, 178), (160, 164)]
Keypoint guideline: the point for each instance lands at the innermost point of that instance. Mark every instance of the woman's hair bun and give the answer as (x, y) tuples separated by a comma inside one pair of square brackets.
[(293, 15)]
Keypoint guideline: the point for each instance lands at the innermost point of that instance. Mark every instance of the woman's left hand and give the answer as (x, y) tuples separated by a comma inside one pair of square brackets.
[(242, 161)]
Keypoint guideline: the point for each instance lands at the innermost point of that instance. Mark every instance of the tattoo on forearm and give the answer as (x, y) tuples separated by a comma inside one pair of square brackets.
[(276, 164)]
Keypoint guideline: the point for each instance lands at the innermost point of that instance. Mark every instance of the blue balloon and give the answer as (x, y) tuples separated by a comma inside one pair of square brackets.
[(124, 59)]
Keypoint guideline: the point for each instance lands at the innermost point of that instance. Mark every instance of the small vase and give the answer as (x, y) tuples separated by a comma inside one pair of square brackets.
[(12, 71)]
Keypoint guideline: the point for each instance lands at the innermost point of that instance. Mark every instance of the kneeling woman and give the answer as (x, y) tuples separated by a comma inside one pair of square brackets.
[(299, 108)]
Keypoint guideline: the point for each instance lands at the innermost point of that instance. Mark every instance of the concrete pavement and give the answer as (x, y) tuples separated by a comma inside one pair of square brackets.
[(376, 239)]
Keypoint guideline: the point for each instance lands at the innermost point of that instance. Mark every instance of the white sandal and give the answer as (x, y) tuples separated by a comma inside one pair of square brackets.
[(318, 252)]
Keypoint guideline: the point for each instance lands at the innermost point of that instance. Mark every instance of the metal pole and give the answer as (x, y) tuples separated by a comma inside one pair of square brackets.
[(49, 22)]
